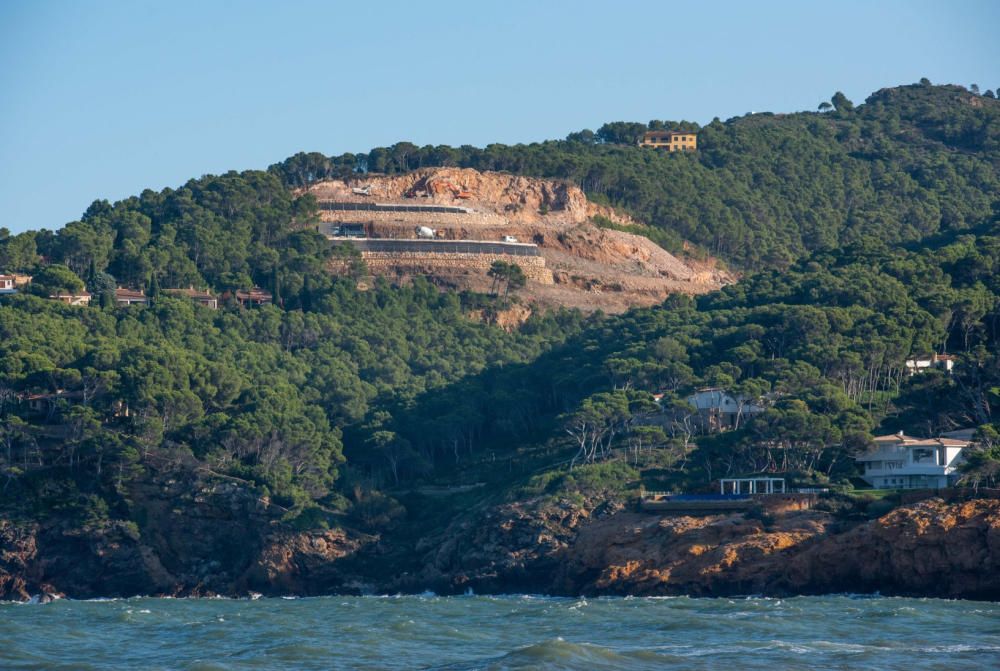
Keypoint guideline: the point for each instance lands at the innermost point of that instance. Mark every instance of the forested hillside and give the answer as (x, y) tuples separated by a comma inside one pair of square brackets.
[(867, 235), (763, 189)]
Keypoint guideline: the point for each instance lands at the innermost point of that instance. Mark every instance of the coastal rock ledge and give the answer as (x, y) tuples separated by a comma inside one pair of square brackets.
[(933, 548), (929, 549)]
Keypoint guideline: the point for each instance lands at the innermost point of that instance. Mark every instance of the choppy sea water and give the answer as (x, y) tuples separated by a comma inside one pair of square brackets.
[(507, 632)]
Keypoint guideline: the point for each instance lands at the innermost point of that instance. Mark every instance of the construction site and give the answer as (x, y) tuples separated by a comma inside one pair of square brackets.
[(451, 225)]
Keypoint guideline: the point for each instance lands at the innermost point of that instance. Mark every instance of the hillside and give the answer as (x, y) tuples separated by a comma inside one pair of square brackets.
[(763, 189), (592, 267), (347, 433)]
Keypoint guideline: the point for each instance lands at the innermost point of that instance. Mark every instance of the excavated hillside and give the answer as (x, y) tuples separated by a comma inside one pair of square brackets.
[(592, 267)]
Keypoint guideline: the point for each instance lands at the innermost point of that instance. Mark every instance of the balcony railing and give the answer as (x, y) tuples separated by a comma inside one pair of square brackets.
[(910, 469)]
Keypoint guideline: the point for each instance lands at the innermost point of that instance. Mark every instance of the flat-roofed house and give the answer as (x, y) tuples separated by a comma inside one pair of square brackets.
[(898, 461), (671, 140)]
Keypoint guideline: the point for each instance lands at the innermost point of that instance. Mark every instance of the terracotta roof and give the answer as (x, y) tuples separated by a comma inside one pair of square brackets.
[(129, 293), (910, 441), (933, 357), (191, 292), (255, 294), (895, 437), (58, 394)]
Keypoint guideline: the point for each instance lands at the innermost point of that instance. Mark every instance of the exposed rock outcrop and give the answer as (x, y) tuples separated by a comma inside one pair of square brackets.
[(198, 538), (593, 267), (509, 319), (512, 547), (299, 563), (932, 548), (521, 200), (19, 566)]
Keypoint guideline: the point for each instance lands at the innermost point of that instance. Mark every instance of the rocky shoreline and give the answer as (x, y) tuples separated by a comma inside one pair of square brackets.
[(931, 549)]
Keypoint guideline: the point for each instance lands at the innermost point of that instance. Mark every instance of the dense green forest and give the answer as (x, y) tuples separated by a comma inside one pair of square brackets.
[(763, 189), (868, 234)]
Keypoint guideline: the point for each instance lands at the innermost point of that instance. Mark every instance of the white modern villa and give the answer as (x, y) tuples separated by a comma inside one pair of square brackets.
[(898, 461)]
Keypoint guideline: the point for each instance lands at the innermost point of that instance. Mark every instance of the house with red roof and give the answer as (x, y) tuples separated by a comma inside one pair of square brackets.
[(127, 297)]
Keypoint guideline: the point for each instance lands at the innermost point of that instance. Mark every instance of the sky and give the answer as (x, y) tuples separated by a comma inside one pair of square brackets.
[(105, 99)]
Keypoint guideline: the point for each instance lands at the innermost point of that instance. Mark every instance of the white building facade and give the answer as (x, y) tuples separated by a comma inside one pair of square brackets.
[(718, 410), (944, 362), (898, 461)]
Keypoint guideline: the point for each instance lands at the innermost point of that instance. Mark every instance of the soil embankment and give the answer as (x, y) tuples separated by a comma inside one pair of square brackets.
[(592, 267)]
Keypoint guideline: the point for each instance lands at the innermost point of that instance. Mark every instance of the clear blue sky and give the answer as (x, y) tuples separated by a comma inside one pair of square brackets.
[(105, 99)]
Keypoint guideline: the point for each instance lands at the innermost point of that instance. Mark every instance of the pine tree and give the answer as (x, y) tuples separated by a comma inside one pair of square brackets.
[(305, 295)]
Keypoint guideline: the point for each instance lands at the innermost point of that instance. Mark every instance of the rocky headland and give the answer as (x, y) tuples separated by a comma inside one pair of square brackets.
[(227, 544)]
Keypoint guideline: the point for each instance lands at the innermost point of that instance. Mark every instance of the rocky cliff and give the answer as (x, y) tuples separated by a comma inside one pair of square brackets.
[(931, 548), (521, 200), (199, 539)]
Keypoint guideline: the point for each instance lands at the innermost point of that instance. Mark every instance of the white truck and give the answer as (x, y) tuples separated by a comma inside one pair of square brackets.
[(509, 238), (426, 232)]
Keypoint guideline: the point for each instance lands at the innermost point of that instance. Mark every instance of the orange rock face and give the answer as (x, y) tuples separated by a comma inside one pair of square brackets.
[(931, 548), (593, 267), (297, 563)]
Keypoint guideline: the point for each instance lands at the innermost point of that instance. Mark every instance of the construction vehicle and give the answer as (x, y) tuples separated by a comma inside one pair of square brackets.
[(509, 238), (426, 232), (348, 231), (362, 191)]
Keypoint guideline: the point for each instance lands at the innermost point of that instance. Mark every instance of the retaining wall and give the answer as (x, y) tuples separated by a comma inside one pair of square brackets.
[(383, 262), (394, 207), (417, 218), (445, 246)]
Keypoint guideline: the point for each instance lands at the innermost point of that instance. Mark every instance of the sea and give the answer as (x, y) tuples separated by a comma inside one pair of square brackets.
[(502, 632)]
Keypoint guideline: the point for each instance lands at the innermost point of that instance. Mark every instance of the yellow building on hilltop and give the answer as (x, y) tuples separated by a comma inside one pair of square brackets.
[(671, 140)]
